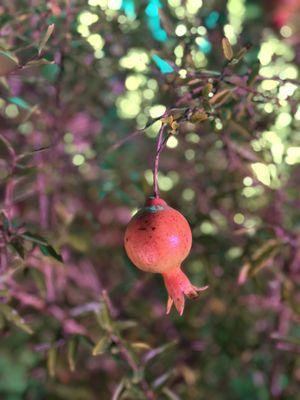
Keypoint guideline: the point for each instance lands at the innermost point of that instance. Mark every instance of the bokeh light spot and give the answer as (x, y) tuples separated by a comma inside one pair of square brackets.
[(78, 159)]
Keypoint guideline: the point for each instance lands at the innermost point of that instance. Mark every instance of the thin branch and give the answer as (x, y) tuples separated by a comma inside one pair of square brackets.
[(149, 394), (159, 148)]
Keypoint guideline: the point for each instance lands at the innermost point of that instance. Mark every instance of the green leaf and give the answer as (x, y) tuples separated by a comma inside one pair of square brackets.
[(85, 341), (259, 259), (140, 346), (51, 361), (103, 316), (123, 325), (286, 339), (25, 54), (50, 72), (170, 394), (8, 63), (207, 89), (72, 352), (209, 72), (12, 316), (19, 102), (22, 170), (33, 237), (46, 37), (239, 55), (49, 251), (39, 280), (38, 63), (138, 376), (101, 346), (133, 392), (227, 49), (157, 351)]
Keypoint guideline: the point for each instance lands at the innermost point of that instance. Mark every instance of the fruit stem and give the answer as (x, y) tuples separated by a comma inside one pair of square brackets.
[(159, 147)]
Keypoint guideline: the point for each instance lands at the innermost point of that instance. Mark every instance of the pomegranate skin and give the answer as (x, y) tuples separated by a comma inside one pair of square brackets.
[(158, 238)]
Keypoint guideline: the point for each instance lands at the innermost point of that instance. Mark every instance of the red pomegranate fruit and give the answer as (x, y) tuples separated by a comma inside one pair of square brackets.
[(157, 239)]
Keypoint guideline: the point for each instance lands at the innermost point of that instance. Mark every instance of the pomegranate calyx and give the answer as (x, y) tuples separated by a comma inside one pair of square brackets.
[(153, 201), (178, 286)]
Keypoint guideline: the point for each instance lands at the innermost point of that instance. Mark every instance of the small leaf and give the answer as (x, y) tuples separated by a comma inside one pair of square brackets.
[(220, 97), (207, 89), (162, 379), (240, 129), (195, 81), (245, 152), (46, 37), (174, 126), (33, 237), (240, 54), (8, 63), (50, 72), (286, 339), (11, 315), (198, 116), (6, 149), (101, 346), (37, 63), (209, 72), (170, 394), (25, 54), (253, 74), (50, 252), (118, 391), (22, 170), (19, 102), (177, 113), (163, 66), (103, 316), (227, 49), (140, 346), (259, 260), (72, 351), (167, 119), (138, 376), (265, 249), (157, 351), (133, 392), (51, 361), (122, 325), (39, 280)]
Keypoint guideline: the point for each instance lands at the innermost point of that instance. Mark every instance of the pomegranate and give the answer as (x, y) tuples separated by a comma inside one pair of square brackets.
[(157, 239)]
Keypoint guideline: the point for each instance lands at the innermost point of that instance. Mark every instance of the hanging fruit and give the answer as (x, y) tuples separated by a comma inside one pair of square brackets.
[(158, 239)]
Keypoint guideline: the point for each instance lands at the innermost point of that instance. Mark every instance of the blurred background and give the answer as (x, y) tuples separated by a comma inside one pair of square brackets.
[(77, 80)]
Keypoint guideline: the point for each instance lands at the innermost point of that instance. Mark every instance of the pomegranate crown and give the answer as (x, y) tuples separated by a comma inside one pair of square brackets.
[(153, 201)]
